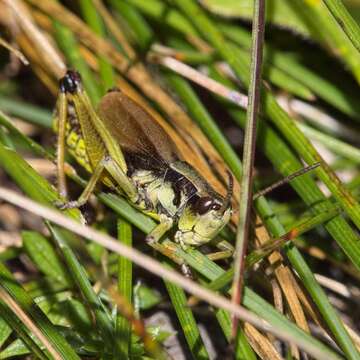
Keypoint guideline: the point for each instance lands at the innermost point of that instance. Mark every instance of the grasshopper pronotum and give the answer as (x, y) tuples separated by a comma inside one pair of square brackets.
[(122, 146)]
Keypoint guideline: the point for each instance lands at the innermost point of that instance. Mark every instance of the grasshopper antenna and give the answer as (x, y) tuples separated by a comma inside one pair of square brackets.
[(286, 180)]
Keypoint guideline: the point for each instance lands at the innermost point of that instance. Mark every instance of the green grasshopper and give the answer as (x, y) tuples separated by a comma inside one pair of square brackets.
[(123, 147)]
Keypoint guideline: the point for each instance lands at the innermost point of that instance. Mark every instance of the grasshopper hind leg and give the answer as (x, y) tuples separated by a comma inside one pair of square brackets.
[(67, 125), (60, 154), (85, 195)]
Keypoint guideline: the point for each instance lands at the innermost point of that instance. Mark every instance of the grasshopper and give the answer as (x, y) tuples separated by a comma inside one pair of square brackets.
[(123, 147)]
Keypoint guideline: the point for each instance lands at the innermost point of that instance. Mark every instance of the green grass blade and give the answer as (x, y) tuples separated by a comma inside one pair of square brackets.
[(137, 25), (320, 86), (245, 197), (125, 286), (297, 229), (199, 112), (345, 21), (325, 28), (157, 9), (42, 253), (337, 146), (6, 139), (27, 304), (17, 348), (34, 185), (187, 321), (92, 18), (23, 110), (103, 318), (69, 46), (38, 149), (25, 340), (5, 331)]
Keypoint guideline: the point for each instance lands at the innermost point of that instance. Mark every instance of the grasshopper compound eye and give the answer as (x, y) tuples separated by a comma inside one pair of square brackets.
[(206, 203), (71, 82)]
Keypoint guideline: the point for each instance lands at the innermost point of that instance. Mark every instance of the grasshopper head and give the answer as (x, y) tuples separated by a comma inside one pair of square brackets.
[(203, 218)]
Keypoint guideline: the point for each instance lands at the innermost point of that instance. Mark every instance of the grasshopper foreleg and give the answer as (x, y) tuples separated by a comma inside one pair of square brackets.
[(156, 234)]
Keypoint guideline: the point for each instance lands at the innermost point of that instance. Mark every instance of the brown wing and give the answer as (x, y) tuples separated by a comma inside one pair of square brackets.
[(143, 141)]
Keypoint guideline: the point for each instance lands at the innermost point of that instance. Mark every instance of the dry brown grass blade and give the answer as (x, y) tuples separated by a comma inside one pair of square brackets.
[(285, 278), (354, 336), (89, 38), (51, 57), (28, 322), (197, 77), (277, 295), (262, 346), (286, 284), (9, 239), (14, 51), (115, 30), (36, 65), (137, 73), (319, 254)]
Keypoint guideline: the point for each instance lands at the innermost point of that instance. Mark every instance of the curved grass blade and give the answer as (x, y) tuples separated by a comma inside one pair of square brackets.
[(27, 304), (44, 257)]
